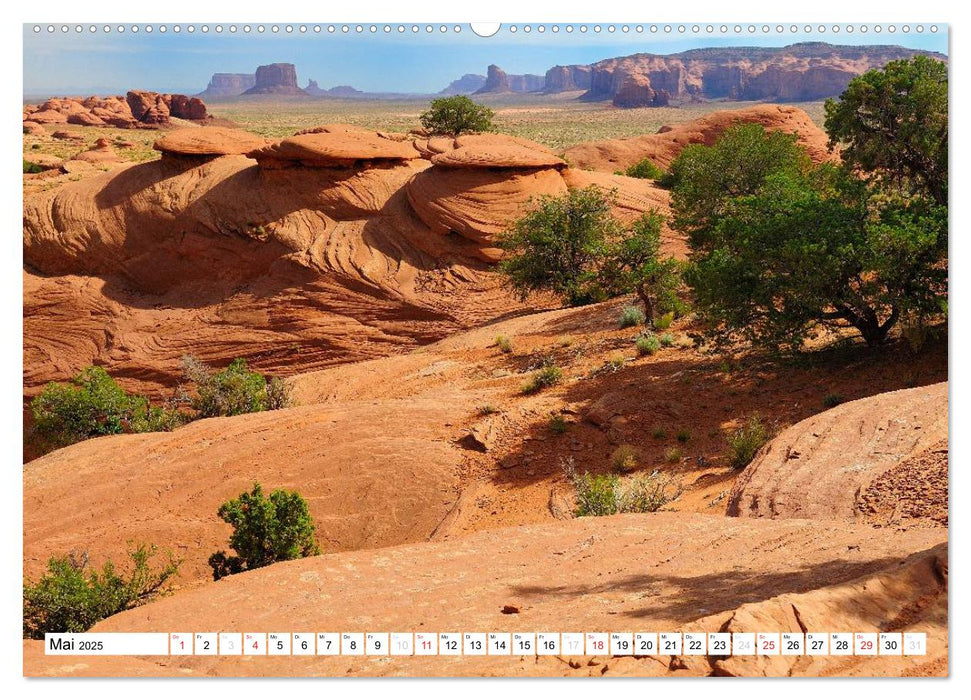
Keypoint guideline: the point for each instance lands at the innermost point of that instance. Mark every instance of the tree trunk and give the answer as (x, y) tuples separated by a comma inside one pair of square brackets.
[(645, 298)]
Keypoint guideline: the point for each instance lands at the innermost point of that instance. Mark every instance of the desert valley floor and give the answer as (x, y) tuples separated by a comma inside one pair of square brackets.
[(357, 262)]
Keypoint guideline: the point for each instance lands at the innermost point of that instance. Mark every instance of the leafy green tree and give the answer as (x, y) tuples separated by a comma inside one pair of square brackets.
[(705, 179), (634, 263), (812, 250), (232, 391), (265, 530), (90, 405), (894, 122), (456, 115), (72, 597), (559, 246)]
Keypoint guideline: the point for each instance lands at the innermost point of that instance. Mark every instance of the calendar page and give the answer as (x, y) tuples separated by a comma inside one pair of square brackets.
[(523, 349)]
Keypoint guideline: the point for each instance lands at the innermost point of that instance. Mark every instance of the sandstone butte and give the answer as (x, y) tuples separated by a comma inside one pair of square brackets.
[(343, 247)]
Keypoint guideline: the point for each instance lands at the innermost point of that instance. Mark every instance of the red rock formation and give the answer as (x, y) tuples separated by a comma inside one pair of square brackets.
[(498, 81), (228, 85), (567, 78), (276, 79)]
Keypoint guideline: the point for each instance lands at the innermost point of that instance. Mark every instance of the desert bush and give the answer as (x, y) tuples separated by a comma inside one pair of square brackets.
[(746, 441), (609, 494), (90, 405), (631, 316), (486, 409), (659, 432), (504, 344), (646, 493), (456, 115), (72, 597), (546, 376), (626, 458), (666, 339), (266, 529), (31, 168), (644, 169), (558, 424), (232, 391), (673, 455), (664, 321), (683, 435), (647, 344)]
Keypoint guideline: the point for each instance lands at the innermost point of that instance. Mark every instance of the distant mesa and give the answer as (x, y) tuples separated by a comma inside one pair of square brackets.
[(498, 81), (466, 85), (276, 79), (796, 73), (314, 90), (228, 85)]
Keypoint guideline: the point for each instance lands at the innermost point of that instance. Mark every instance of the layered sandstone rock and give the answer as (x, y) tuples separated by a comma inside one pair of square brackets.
[(208, 141), (479, 183), (567, 79), (334, 145), (820, 467), (662, 571), (466, 85), (807, 71), (138, 109), (663, 147)]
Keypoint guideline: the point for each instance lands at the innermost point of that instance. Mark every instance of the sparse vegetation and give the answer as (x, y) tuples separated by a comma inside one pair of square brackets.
[(31, 168), (647, 344), (232, 391), (453, 116), (266, 529), (609, 494), (504, 344), (659, 432), (71, 596), (625, 458), (545, 377), (746, 441), (683, 435), (673, 455), (664, 321), (644, 169), (666, 340), (91, 405), (558, 424), (631, 316), (486, 409)]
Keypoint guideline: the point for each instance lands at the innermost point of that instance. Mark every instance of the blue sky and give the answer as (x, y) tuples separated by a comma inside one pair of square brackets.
[(89, 63)]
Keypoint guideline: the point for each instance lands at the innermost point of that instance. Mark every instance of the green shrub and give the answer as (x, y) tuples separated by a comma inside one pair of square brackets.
[(545, 377), (265, 530), (625, 458), (644, 169), (746, 441), (684, 435), (658, 432), (647, 344), (90, 405), (666, 339), (71, 597), (609, 494), (673, 455), (32, 168), (596, 494), (234, 390), (832, 400), (456, 115), (486, 409), (558, 424), (504, 344), (631, 316), (664, 321)]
